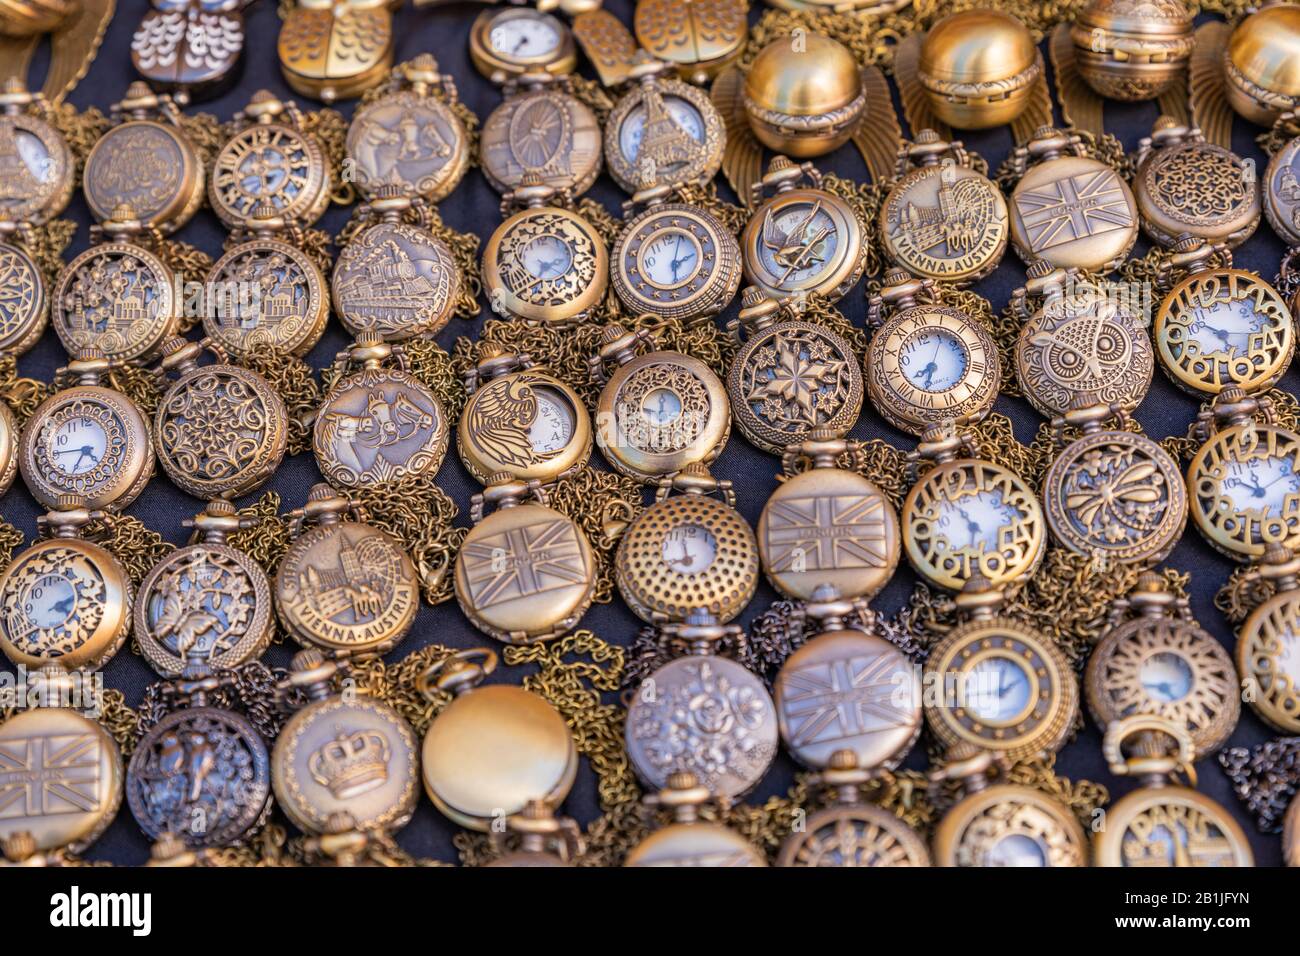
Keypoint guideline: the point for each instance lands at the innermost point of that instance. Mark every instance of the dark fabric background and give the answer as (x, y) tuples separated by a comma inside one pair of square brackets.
[(473, 208)]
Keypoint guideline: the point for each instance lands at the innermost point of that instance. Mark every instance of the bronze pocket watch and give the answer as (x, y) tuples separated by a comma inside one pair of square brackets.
[(378, 423), (803, 239), (269, 158), (657, 411), (395, 277), (9, 436), (517, 40), (690, 840), (1268, 644), (1112, 493), (942, 219), (495, 748), (345, 587), (545, 263), (699, 38), (673, 260), (661, 121), (410, 137), (117, 296), (542, 839), (334, 50), (24, 305), (191, 46), (145, 162), (927, 362), (265, 295), (39, 170), (790, 375), (1282, 192)]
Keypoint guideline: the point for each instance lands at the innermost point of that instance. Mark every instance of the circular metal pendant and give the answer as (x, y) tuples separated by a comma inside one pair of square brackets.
[(202, 774), (24, 307), (1170, 826), (269, 163), (513, 41), (528, 424), (1268, 654), (38, 169), (547, 265), (675, 261), (1224, 327), (1282, 192), (544, 130), (707, 715), (408, 140), (1009, 825), (74, 766), (207, 599), (397, 280), (790, 378), (66, 601), (1116, 495), (684, 553), (1291, 834), (659, 412), (1084, 340), (354, 756), (265, 297), (945, 222), (1073, 212), (379, 425), (190, 45), (804, 241), (858, 836), (492, 750), (8, 448), (699, 38), (695, 844), (119, 298), (1244, 489), (971, 517), (1004, 688), (149, 166), (1199, 188), (670, 124), (87, 441)]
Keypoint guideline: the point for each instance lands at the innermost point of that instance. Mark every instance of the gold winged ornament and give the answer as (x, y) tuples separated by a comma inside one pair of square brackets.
[(336, 49), (76, 26), (190, 47)]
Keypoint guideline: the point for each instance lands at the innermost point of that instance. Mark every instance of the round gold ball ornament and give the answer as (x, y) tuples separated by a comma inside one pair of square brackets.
[(978, 68), (1132, 49), (803, 95), (1261, 63)]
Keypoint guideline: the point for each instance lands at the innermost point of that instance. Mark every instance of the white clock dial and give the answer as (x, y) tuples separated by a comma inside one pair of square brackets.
[(933, 360), (1260, 485), (689, 549), (50, 601), (1016, 849), (661, 406), (976, 521), (521, 38), (1224, 328), (547, 257), (671, 259), (997, 690), (1166, 677), (78, 445), (552, 427)]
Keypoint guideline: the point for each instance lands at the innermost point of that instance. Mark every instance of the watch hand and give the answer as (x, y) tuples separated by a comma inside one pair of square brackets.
[(929, 371)]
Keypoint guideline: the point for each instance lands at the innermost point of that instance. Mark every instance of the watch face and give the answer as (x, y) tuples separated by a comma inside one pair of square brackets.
[(269, 163), (669, 126), (524, 37), (1282, 192), (546, 264), (857, 836), (546, 257), (671, 259), (689, 549), (1170, 826), (525, 423), (1009, 825), (1268, 653), (945, 222), (38, 176), (1245, 489), (998, 690), (551, 429), (671, 119), (977, 521), (1260, 484), (803, 241), (411, 141), (676, 261), (77, 445), (933, 360), (798, 242)]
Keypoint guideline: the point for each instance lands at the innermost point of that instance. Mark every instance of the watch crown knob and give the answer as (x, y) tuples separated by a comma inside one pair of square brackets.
[(18, 846), (221, 508), (321, 492), (1039, 268), (307, 659)]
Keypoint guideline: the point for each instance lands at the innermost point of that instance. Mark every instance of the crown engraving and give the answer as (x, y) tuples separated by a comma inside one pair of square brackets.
[(352, 763)]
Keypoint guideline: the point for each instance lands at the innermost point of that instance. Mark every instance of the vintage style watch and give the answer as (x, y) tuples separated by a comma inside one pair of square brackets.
[(1129, 50), (689, 840), (1291, 834), (700, 38), (270, 157), (541, 128), (265, 296), (146, 162), (673, 259), (39, 170), (24, 305), (1185, 185), (1068, 208), (495, 748), (378, 423), (942, 219), (1243, 483), (118, 296), (728, 744), (545, 263), (540, 838), (220, 430), (666, 123), (1078, 335), (790, 375), (1154, 659), (335, 50), (410, 136), (344, 587), (802, 240), (1162, 822), (516, 40), (1268, 644), (927, 362), (1112, 493), (1282, 192), (657, 410), (9, 434), (86, 440), (190, 46)]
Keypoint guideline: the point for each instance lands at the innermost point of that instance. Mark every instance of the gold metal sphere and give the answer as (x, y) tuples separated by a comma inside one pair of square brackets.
[(978, 68), (1132, 49), (803, 95), (1261, 64)]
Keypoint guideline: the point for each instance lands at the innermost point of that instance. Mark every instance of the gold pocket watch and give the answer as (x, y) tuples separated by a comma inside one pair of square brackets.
[(86, 440), (146, 162), (118, 296), (1112, 493), (541, 128), (495, 748), (1079, 335), (690, 840), (39, 168), (1268, 644), (790, 375), (702, 713), (220, 430), (9, 436), (378, 423), (1067, 208), (1163, 823), (545, 263), (542, 839), (345, 587), (269, 158), (395, 277), (699, 38), (657, 411), (1291, 834), (265, 295), (334, 50), (666, 123), (191, 46), (802, 240), (927, 362), (1184, 184), (1282, 192), (673, 260), (24, 305), (942, 219), (410, 136), (518, 40)]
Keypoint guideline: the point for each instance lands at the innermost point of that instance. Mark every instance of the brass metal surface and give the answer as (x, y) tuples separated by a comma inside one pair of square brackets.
[(1132, 49), (978, 68), (39, 174), (1260, 63), (336, 49), (1268, 645), (1009, 825), (544, 129), (516, 40), (804, 96)]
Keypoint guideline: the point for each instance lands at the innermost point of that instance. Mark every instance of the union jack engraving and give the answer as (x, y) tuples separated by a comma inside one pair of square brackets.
[(834, 700), (827, 532), (43, 776), (1075, 207), (521, 562)]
